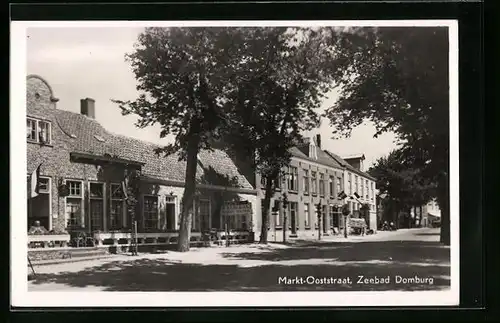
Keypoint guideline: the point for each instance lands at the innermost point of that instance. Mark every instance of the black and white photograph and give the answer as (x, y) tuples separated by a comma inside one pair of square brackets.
[(226, 163)]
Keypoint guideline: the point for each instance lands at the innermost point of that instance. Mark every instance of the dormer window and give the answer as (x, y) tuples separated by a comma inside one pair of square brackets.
[(38, 131)]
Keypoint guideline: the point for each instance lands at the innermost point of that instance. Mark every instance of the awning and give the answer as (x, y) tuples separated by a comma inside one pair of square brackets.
[(101, 159)]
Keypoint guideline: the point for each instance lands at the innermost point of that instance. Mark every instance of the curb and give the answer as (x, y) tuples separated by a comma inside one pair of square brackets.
[(69, 260)]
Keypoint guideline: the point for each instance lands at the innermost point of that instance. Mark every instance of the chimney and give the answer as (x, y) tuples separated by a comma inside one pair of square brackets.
[(87, 107), (318, 141)]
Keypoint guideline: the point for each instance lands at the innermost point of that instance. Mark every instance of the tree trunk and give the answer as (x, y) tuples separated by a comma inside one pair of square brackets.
[(444, 205), (189, 190), (265, 215)]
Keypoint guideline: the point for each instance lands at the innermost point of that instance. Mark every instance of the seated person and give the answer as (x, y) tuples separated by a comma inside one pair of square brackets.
[(36, 228)]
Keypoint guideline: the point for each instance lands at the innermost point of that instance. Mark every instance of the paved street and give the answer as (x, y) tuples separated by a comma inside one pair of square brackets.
[(410, 259)]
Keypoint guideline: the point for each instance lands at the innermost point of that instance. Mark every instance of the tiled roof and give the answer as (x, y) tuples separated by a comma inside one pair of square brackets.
[(323, 158), (341, 161), (92, 138)]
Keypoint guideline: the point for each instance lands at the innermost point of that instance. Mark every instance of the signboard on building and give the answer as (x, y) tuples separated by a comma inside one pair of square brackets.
[(237, 215)]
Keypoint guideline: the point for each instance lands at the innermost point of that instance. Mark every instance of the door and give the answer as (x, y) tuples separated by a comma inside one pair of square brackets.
[(96, 211), (293, 217), (205, 215)]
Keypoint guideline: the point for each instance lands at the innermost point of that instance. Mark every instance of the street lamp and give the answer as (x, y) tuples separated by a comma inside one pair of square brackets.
[(318, 211), (345, 210), (345, 213)]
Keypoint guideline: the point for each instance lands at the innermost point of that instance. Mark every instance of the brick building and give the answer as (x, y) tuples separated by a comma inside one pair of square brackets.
[(77, 153), (316, 176)]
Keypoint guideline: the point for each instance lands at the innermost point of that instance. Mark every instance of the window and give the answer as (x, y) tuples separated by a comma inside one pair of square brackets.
[(339, 185), (322, 184), (31, 129), (38, 131), (314, 183), (75, 188), (74, 212), (96, 190), (367, 193), (307, 216), (362, 188), (356, 184), (263, 181), (373, 191), (277, 182), (117, 207), (331, 186), (39, 206), (151, 212), (293, 178), (333, 216), (306, 181), (349, 184), (43, 185), (96, 194), (316, 215)]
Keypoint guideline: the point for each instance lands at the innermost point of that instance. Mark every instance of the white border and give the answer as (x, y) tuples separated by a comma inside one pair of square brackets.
[(19, 291)]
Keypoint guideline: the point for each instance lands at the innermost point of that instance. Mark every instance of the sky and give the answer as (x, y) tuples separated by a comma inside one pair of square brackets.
[(90, 62)]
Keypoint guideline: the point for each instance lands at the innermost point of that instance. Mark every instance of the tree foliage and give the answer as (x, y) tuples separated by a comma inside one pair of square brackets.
[(398, 78), (404, 187), (288, 73), (182, 78)]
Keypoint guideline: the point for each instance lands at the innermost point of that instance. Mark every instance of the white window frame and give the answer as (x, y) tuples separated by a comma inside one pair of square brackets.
[(314, 183), (293, 174), (35, 122), (349, 182), (331, 185), (82, 209), (296, 214), (49, 192), (144, 210), (104, 221), (38, 128), (307, 186), (321, 184)]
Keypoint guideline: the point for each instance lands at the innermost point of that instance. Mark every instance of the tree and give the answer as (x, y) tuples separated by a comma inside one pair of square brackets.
[(398, 78), (182, 77), (403, 186), (288, 74)]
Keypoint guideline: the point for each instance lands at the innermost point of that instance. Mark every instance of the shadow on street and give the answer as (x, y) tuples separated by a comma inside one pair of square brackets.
[(370, 259)]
